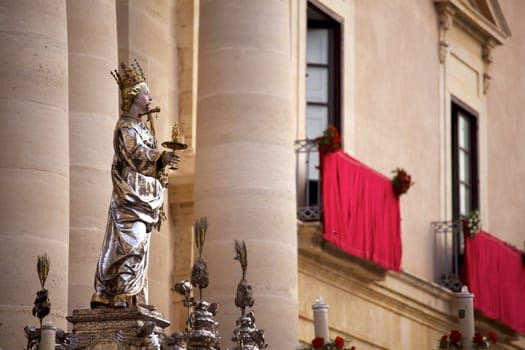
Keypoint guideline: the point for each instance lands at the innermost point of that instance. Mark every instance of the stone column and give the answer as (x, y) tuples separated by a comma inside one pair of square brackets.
[(34, 166), (93, 108), (245, 161)]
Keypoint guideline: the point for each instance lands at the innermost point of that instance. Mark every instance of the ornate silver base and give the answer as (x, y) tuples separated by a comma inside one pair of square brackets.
[(130, 328), (247, 336)]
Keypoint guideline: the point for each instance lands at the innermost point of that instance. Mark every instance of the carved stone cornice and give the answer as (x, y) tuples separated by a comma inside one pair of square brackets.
[(401, 293), (484, 22), (483, 26)]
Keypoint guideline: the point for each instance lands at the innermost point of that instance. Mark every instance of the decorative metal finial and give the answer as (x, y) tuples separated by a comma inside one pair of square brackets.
[(199, 272), (244, 296), (177, 341), (42, 304), (201, 328), (246, 336), (204, 333), (184, 288)]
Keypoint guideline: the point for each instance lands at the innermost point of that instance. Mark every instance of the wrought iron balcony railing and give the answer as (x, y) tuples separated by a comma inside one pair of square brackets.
[(308, 180), (447, 235)]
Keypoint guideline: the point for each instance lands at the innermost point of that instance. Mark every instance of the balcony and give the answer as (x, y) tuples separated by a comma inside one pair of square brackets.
[(361, 219), (308, 181), (447, 236), (356, 204)]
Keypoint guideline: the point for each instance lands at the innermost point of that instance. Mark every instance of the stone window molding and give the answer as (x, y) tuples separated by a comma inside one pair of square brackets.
[(482, 19)]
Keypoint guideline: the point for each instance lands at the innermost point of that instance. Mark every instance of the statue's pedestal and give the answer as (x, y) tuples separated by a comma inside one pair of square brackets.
[(130, 328)]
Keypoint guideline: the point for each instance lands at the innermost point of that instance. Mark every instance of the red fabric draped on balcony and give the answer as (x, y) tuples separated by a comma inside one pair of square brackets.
[(494, 273), (361, 211)]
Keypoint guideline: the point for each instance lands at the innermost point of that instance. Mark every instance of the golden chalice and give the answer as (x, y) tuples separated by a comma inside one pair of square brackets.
[(177, 140)]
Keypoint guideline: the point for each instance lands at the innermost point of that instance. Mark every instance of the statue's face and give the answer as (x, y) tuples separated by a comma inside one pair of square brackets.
[(143, 99)]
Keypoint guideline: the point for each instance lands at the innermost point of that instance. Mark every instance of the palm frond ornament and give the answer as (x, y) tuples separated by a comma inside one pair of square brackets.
[(199, 272), (42, 305), (199, 230), (244, 296), (242, 255), (42, 267), (246, 334)]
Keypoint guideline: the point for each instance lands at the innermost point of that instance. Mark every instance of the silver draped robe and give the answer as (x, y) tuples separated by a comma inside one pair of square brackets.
[(121, 275)]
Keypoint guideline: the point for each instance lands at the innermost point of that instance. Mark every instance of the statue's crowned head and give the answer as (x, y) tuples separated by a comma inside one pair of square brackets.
[(131, 81)]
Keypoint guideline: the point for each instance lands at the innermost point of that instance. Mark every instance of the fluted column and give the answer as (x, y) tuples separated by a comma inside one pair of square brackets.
[(93, 108), (245, 162), (34, 166)]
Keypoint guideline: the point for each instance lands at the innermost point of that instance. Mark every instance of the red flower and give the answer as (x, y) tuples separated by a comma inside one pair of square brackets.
[(401, 182), (339, 342), (318, 342), (330, 141), (477, 339), (352, 348), (492, 337), (443, 343), (455, 336)]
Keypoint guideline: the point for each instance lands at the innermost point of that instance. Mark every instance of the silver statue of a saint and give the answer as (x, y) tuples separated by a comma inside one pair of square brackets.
[(138, 174)]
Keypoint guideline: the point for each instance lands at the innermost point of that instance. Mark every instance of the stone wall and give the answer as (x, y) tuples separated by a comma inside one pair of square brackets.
[(506, 129)]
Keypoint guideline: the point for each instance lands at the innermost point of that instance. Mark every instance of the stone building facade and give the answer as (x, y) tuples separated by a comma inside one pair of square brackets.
[(236, 75)]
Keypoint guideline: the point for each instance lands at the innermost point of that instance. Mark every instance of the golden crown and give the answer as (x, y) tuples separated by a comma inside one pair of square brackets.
[(128, 75)]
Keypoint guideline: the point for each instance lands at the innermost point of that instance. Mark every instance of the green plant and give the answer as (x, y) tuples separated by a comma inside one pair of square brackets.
[(330, 141)]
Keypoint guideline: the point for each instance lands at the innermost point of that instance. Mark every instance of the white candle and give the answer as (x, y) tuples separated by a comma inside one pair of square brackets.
[(466, 316), (47, 336), (320, 318)]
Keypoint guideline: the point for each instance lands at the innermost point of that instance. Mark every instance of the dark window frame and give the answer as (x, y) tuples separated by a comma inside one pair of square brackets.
[(459, 108), (334, 62)]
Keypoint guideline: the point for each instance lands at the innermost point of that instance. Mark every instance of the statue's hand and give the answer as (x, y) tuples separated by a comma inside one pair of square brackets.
[(169, 159)]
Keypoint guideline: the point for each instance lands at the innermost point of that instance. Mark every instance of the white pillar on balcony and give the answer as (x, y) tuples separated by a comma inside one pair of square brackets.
[(320, 310), (466, 316)]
